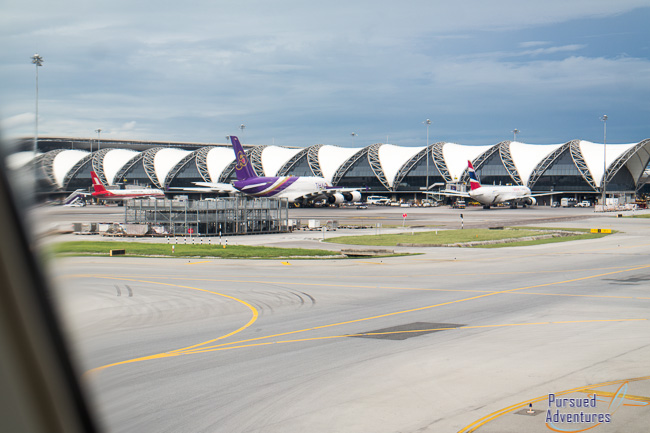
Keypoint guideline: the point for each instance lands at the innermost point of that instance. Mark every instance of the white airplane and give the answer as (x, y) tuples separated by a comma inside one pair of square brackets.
[(495, 194), (122, 194), (298, 190)]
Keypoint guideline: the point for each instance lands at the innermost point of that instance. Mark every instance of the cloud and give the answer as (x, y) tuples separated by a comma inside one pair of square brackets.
[(552, 50), (530, 44), (17, 121)]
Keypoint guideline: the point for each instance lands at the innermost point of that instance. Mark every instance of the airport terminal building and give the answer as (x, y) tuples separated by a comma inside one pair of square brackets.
[(576, 168)]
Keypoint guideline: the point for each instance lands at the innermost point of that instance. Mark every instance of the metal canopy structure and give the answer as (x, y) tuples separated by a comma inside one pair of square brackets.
[(224, 216), (390, 165)]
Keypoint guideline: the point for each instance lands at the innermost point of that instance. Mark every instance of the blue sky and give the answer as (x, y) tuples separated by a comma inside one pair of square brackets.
[(296, 73)]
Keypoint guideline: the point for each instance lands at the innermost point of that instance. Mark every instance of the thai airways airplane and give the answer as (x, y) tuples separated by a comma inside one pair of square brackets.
[(495, 194), (297, 189), (122, 194)]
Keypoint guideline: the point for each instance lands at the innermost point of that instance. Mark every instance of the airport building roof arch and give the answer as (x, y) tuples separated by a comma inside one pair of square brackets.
[(185, 160), (159, 161), (573, 166), (438, 156), (294, 161), (212, 161), (457, 155), (63, 162), (255, 158), (526, 157), (376, 166), (333, 161), (273, 158), (635, 159), (595, 158), (355, 155), (412, 162), (393, 160), (545, 163), (313, 161), (112, 162)]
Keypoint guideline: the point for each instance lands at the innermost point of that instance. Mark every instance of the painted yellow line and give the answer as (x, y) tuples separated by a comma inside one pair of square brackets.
[(143, 358), (437, 305), (482, 421), (199, 263), (255, 312), (413, 331), (255, 315)]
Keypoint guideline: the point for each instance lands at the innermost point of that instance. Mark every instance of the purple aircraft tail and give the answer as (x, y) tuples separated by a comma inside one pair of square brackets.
[(243, 166)]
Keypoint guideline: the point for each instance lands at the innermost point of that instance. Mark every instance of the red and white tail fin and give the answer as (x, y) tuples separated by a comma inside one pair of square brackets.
[(97, 184), (473, 180)]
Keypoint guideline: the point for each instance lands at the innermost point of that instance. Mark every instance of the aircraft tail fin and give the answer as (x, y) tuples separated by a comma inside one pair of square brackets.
[(243, 167), (97, 184), (473, 180)]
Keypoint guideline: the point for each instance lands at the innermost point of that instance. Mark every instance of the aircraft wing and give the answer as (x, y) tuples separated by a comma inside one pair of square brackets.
[(208, 187), (544, 193)]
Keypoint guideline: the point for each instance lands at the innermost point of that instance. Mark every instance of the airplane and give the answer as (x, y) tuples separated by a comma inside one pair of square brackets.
[(122, 194), (495, 194), (298, 190)]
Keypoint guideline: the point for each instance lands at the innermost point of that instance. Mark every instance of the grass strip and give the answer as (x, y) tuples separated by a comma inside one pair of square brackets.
[(544, 241), (144, 249), (451, 237)]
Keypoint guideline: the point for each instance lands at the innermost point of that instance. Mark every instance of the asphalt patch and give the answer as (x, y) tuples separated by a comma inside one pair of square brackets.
[(409, 330)]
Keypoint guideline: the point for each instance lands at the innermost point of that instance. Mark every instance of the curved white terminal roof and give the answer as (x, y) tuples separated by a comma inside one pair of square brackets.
[(114, 160), (392, 158), (330, 158), (527, 156), (217, 159), (63, 163), (593, 154), (17, 160), (457, 155), (274, 157), (165, 160)]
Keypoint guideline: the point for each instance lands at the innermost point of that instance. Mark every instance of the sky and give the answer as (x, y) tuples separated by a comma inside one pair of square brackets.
[(299, 73)]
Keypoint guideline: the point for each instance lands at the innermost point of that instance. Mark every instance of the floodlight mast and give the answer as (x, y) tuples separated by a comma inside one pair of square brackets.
[(38, 61), (604, 181), (98, 131), (515, 132)]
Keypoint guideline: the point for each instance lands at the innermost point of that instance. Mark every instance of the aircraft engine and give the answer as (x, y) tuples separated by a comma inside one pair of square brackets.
[(352, 196), (336, 198), (530, 201)]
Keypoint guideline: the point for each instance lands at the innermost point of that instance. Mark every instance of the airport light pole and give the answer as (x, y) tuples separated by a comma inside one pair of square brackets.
[(515, 132), (38, 61), (604, 181), (98, 131), (354, 134), (428, 123), (242, 127)]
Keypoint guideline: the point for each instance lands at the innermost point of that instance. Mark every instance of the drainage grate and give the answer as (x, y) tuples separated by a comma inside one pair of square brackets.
[(410, 330)]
